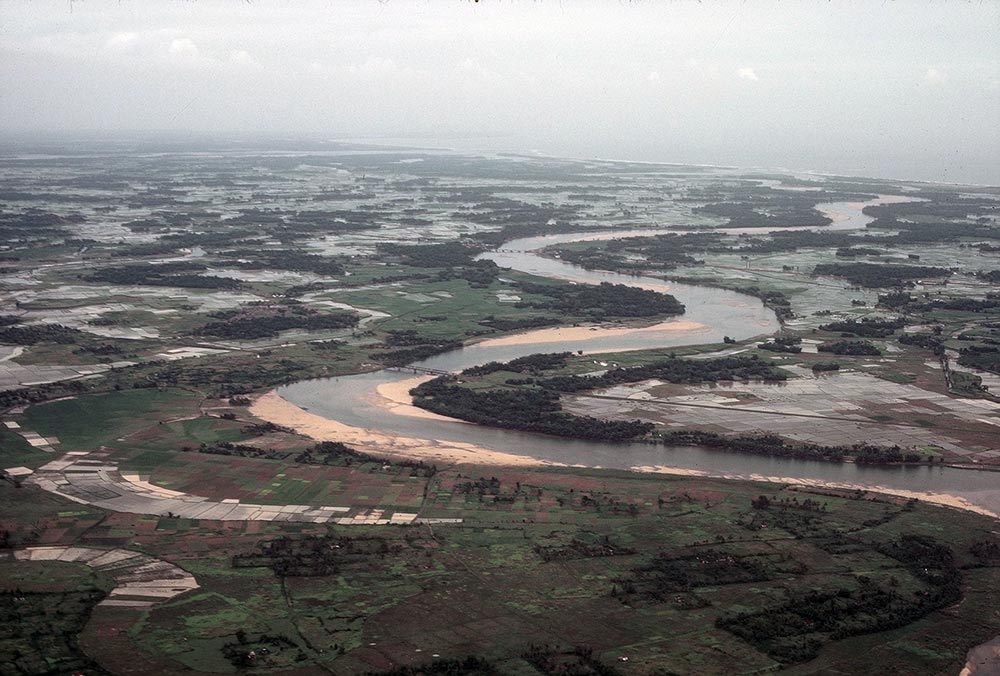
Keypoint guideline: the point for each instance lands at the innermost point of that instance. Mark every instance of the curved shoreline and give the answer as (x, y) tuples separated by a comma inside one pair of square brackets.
[(273, 408), (395, 398)]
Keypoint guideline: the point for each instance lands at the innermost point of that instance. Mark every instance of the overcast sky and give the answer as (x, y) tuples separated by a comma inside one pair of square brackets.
[(893, 89)]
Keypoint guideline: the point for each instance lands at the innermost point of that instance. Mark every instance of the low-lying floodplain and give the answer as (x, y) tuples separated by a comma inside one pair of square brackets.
[(334, 408)]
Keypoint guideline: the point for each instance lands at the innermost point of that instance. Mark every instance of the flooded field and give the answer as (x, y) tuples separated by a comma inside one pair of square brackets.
[(829, 409)]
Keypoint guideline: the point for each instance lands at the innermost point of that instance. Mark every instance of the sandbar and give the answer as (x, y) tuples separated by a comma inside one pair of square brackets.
[(561, 334), (395, 398), (272, 408)]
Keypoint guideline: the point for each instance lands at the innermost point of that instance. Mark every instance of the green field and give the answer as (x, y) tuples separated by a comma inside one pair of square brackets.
[(86, 423)]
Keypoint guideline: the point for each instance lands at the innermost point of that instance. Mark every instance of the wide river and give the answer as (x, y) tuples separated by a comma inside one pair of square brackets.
[(353, 400)]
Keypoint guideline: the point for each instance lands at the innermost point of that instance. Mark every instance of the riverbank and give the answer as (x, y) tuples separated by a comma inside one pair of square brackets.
[(273, 408), (943, 499)]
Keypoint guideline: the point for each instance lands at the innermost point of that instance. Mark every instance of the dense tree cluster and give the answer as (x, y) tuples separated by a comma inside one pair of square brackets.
[(578, 548), (531, 410), (40, 630), (869, 327), (789, 344), (980, 357), (446, 255), (253, 323), (288, 226), (857, 348), (241, 450), (937, 212), (517, 323), (773, 445), (895, 300), (979, 305), (855, 251), (533, 363), (40, 333), (33, 227), (879, 275), (342, 455), (416, 352), (314, 555), (672, 370), (928, 341), (594, 258), (180, 274), (755, 444), (795, 630), (867, 454), (601, 300), (537, 408), (660, 579), (456, 259)]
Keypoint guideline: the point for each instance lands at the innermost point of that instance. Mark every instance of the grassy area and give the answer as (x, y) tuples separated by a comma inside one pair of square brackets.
[(88, 422), (16, 452)]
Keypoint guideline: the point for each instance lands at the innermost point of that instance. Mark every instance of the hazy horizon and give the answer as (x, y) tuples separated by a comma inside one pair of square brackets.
[(899, 90)]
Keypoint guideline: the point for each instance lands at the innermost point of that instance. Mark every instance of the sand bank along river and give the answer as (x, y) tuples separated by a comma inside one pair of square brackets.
[(371, 410)]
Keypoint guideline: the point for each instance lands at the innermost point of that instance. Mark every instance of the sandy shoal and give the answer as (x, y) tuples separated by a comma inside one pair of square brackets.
[(834, 216), (395, 398), (572, 333), (273, 408), (944, 499)]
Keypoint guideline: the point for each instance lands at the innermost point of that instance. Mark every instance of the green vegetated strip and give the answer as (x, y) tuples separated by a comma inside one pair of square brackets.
[(880, 275), (265, 321), (326, 453)]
